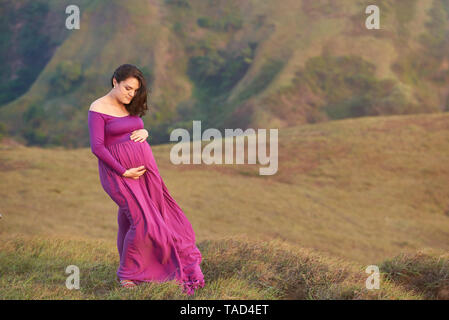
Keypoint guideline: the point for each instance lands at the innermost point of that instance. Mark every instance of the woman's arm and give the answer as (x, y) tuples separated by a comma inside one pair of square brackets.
[(96, 131)]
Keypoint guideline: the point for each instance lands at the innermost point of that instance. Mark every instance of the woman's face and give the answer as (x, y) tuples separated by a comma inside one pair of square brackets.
[(126, 89)]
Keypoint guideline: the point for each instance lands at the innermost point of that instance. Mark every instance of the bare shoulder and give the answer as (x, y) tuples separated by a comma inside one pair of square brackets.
[(97, 105)]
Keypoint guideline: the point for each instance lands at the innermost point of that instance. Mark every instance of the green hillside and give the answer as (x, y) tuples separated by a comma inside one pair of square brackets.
[(228, 63)]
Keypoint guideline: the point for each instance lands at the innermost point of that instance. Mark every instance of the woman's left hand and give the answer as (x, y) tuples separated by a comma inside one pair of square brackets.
[(139, 135)]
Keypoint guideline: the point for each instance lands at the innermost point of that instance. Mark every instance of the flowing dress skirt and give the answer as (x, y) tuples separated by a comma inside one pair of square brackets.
[(155, 240)]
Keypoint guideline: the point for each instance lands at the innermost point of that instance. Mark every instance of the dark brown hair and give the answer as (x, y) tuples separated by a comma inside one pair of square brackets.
[(138, 104)]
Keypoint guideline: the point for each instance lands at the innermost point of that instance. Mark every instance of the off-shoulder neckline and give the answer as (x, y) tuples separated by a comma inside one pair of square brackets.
[(110, 114)]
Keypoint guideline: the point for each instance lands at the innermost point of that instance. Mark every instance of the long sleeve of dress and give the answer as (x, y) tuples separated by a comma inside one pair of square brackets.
[(96, 131)]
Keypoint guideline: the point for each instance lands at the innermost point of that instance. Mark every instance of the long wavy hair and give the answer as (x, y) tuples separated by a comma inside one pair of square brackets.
[(138, 105)]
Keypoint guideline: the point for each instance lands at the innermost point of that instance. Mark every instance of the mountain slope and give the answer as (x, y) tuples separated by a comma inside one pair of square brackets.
[(241, 64)]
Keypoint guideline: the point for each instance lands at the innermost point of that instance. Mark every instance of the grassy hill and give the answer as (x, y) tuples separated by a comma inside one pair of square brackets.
[(34, 268), (227, 63), (366, 191)]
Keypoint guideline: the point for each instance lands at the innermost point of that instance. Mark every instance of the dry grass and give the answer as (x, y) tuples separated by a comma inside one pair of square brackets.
[(363, 190), (34, 268)]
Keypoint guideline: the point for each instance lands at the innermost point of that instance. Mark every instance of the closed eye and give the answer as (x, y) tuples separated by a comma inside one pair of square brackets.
[(128, 88)]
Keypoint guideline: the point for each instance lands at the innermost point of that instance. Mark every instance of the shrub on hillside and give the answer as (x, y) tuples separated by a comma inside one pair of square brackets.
[(350, 88), (423, 273), (179, 3), (33, 119), (67, 75), (218, 71), (231, 21)]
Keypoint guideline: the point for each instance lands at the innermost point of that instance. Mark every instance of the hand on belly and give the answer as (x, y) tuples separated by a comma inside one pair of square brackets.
[(139, 135)]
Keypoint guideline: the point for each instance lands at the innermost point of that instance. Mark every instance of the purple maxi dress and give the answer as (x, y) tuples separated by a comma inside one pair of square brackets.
[(155, 241)]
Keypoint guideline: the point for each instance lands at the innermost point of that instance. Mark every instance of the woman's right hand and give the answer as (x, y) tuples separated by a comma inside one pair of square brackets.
[(135, 173)]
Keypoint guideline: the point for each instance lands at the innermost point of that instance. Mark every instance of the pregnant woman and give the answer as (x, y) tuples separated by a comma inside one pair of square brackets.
[(155, 241)]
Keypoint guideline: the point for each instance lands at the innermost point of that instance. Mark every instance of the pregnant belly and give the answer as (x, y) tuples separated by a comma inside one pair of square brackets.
[(132, 154)]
